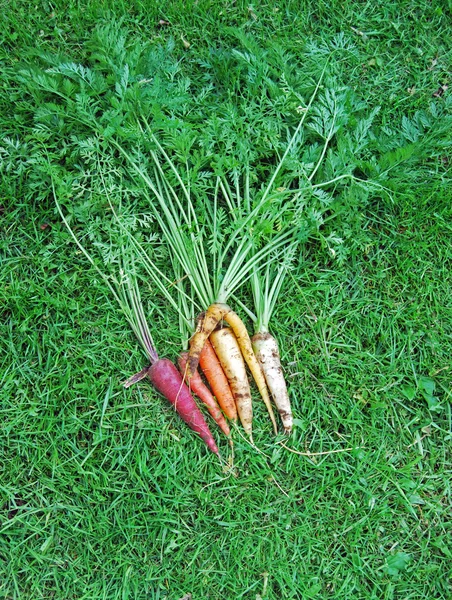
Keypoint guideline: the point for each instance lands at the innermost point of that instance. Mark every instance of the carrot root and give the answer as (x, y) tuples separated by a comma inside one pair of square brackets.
[(169, 382), (213, 371), (267, 353), (204, 394), (228, 351)]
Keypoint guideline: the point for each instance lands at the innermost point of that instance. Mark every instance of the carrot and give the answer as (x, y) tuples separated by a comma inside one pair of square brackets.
[(206, 323), (228, 351), (168, 381), (213, 371), (163, 374), (267, 353), (204, 394), (214, 314), (246, 347)]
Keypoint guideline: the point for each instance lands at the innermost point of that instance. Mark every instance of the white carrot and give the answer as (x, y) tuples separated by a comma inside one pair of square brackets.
[(266, 350)]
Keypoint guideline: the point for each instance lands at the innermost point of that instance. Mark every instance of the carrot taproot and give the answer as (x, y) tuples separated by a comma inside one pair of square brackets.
[(214, 314), (228, 351), (267, 353), (213, 371), (204, 394), (168, 381)]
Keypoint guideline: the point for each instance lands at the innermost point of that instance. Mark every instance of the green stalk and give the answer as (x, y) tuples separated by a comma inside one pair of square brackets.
[(170, 223), (325, 146), (129, 300), (255, 212), (157, 276), (170, 214)]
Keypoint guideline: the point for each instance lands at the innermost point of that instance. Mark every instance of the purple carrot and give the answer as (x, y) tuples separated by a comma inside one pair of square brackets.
[(164, 375), (168, 381)]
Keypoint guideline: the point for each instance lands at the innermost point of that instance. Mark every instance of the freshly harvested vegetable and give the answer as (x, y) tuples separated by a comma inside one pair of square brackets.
[(228, 351), (222, 312), (204, 394), (213, 371), (211, 281), (266, 350), (169, 382), (266, 288), (215, 261), (163, 374)]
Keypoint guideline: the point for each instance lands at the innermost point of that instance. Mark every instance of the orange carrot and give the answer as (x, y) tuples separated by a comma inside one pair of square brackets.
[(212, 369), (204, 394)]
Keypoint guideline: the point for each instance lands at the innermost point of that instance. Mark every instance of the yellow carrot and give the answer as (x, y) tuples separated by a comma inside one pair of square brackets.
[(228, 351)]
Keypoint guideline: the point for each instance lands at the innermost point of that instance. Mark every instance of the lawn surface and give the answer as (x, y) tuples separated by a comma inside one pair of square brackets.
[(104, 493)]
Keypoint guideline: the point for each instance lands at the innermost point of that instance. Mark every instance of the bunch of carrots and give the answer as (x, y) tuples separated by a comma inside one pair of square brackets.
[(207, 269), (219, 344), (221, 352), (220, 347), (218, 341)]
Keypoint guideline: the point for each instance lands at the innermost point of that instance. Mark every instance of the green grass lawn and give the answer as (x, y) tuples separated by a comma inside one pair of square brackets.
[(104, 493)]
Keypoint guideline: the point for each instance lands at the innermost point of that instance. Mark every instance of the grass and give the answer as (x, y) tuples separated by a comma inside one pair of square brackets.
[(104, 494)]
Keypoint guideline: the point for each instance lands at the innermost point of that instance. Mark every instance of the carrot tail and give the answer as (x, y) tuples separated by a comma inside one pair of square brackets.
[(168, 381), (205, 395), (227, 349), (213, 371)]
